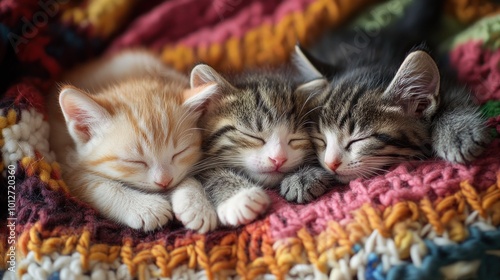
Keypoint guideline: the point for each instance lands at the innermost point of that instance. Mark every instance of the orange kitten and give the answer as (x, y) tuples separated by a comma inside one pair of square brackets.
[(126, 133)]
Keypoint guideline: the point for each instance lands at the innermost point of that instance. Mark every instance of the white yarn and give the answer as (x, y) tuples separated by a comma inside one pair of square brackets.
[(22, 139), (184, 273), (347, 267), (9, 275), (70, 267), (461, 269), (303, 271)]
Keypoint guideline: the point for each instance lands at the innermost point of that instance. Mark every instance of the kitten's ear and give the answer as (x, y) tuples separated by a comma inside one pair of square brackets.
[(197, 98), (416, 85), (309, 67), (82, 114), (312, 93), (313, 89), (304, 65), (206, 83), (202, 74)]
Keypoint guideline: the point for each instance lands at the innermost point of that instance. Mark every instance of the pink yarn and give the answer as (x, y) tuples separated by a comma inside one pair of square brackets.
[(211, 22), (495, 123), (167, 22), (479, 68), (410, 181), (257, 14)]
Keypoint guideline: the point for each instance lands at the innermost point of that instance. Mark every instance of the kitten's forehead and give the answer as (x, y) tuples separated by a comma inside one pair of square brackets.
[(350, 108), (263, 107), (154, 115)]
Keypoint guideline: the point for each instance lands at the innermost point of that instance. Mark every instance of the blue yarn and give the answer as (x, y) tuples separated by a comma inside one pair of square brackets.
[(372, 257), (473, 248), (54, 276), (378, 274), (371, 267), (356, 248)]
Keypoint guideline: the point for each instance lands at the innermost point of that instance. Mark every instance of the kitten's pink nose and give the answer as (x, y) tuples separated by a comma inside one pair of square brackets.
[(333, 165), (164, 182), (278, 161)]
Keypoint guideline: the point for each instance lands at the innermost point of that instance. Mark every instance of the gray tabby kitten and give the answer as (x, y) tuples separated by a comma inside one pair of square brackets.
[(383, 105), (254, 136)]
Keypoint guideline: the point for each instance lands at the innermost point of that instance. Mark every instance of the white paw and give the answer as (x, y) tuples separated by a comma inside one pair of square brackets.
[(148, 214), (192, 208), (244, 207)]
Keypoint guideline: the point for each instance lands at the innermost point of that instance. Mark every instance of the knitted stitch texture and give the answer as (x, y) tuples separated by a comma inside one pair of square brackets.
[(421, 220)]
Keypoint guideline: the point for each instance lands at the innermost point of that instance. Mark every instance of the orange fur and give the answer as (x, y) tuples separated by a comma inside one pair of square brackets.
[(125, 119)]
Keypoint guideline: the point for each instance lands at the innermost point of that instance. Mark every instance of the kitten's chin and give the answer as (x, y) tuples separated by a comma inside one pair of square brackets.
[(146, 188)]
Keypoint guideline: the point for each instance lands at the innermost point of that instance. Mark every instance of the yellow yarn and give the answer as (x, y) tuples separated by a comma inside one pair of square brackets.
[(266, 44), (45, 171), (104, 16), (3, 122), (253, 252), (468, 11)]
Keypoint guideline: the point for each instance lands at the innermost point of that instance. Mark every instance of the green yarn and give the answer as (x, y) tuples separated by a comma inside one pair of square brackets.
[(491, 108), (450, 32), (381, 15), (486, 30)]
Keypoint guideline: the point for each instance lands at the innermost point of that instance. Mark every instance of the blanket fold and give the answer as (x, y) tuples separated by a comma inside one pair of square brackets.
[(421, 220)]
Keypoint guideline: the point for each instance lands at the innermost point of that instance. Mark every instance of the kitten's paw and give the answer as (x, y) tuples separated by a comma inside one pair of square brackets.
[(305, 185), (148, 214), (244, 207), (464, 145), (192, 207)]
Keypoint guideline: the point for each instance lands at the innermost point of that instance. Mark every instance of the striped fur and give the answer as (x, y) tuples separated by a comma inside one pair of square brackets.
[(387, 102), (148, 137), (363, 132), (254, 136), (255, 117)]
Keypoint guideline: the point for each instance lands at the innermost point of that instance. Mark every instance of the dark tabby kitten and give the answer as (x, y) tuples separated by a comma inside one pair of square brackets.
[(387, 102), (254, 135)]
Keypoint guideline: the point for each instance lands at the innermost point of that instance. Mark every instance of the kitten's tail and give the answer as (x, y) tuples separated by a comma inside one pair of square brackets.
[(413, 28)]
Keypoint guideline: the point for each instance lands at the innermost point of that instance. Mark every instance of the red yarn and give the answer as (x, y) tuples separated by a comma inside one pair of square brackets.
[(495, 123), (406, 182), (207, 22), (26, 95), (479, 68)]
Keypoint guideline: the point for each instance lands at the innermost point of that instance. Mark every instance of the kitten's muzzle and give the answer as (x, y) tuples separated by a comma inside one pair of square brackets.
[(333, 165), (278, 162), (164, 183)]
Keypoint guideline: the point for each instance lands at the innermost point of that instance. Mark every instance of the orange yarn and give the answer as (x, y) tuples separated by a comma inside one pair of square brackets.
[(253, 252), (47, 172), (267, 44), (467, 11)]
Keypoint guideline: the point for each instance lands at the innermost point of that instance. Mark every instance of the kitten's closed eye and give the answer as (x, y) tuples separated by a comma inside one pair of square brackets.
[(299, 143), (319, 142), (256, 138), (348, 146), (136, 162), (176, 155)]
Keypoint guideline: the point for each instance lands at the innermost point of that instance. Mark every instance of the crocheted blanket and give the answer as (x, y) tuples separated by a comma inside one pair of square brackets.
[(425, 220)]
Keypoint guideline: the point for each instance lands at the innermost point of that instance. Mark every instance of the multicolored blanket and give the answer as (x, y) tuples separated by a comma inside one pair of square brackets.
[(425, 220)]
